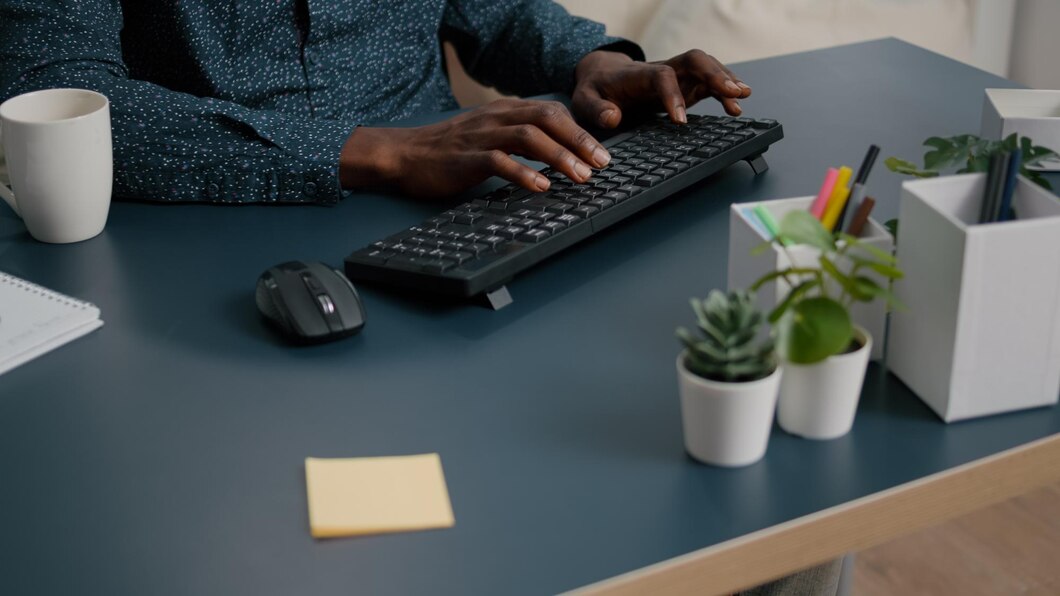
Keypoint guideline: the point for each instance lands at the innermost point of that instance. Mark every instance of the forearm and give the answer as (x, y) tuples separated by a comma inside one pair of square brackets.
[(526, 47)]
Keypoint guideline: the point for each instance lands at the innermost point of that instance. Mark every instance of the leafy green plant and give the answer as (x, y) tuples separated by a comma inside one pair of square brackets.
[(970, 153), (813, 321), (727, 349)]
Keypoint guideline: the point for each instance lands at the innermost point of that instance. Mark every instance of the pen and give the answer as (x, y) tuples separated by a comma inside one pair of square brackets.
[(819, 204), (862, 179), (1011, 177)]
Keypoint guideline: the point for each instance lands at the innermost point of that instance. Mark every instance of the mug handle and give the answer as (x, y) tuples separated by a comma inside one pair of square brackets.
[(6, 193)]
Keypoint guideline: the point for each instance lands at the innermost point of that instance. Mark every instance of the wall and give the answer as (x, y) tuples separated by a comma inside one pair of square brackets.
[(1035, 57)]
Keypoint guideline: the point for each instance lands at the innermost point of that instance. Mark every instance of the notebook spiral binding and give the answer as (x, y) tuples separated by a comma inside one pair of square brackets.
[(33, 288)]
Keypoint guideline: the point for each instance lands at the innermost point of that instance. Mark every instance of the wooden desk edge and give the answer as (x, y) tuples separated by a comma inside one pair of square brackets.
[(773, 552)]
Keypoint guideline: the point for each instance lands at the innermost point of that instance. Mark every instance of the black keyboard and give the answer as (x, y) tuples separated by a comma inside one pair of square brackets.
[(477, 247)]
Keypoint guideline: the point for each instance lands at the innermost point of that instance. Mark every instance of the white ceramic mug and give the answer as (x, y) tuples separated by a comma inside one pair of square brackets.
[(58, 149)]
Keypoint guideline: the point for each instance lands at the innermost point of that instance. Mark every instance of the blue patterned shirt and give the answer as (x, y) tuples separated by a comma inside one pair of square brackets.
[(252, 100)]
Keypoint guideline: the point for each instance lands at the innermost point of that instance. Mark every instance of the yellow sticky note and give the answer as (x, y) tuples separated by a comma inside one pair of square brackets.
[(373, 495)]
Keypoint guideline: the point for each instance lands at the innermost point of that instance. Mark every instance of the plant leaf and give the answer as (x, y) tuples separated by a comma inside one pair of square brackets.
[(814, 329), (801, 227), (888, 271), (901, 166), (792, 297)]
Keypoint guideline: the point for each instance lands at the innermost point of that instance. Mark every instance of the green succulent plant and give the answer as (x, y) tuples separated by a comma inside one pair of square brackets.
[(727, 348)]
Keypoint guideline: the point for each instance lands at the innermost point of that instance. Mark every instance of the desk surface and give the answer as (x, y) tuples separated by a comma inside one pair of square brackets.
[(163, 454)]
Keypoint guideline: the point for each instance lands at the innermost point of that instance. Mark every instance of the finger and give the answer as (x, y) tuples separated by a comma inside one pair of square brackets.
[(745, 89), (732, 107), (556, 121), (664, 80), (531, 142), (591, 107), (712, 73), (499, 163)]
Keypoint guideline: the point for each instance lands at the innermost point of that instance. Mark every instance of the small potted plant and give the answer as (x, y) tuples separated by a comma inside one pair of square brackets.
[(728, 380), (824, 354)]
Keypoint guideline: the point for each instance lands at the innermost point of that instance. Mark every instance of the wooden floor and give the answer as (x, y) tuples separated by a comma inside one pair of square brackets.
[(1010, 548)]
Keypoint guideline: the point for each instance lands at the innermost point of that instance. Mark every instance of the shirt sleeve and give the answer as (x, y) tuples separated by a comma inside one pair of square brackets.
[(168, 146), (525, 47)]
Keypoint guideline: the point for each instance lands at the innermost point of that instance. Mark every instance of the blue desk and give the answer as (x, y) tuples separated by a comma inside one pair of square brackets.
[(163, 454)]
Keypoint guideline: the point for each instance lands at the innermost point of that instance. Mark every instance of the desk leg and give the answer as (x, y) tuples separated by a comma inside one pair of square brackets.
[(758, 163), (496, 299)]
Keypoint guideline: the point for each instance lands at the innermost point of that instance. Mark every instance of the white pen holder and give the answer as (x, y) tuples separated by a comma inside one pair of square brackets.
[(1033, 113), (981, 330), (745, 268)]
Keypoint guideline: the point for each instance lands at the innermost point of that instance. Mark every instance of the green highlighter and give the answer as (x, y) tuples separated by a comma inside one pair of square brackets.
[(767, 220)]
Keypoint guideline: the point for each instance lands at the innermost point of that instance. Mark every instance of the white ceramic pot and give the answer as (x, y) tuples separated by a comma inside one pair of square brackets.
[(818, 401), (726, 424)]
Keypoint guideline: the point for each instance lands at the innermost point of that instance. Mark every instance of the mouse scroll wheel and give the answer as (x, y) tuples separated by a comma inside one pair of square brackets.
[(326, 305)]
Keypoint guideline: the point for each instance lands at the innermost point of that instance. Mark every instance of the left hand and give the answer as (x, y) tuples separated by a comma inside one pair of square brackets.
[(609, 83)]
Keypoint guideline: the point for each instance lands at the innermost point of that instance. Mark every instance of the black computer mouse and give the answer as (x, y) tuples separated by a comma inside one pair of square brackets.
[(309, 302)]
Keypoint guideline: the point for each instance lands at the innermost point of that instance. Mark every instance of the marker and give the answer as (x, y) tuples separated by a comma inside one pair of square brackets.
[(817, 208), (835, 207), (861, 216), (1011, 177), (756, 223), (862, 179), (767, 220)]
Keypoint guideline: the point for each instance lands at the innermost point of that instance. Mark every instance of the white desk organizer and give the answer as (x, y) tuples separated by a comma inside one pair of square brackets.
[(1033, 113), (746, 268), (981, 330)]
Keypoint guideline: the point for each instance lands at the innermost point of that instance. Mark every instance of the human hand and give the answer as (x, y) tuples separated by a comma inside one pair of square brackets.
[(607, 84), (442, 159)]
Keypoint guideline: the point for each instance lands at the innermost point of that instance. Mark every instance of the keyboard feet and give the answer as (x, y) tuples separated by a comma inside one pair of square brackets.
[(496, 299), (758, 163)]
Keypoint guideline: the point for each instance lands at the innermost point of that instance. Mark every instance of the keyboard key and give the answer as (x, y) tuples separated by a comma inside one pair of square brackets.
[(661, 160), (732, 138), (616, 196), (511, 232), (568, 219), (585, 211), (545, 215), (706, 152), (460, 256), (493, 229), (723, 145), (647, 180), (535, 235), (664, 172), (553, 226), (764, 124), (476, 248), (376, 256), (600, 203), (526, 223), (494, 241), (523, 213), (559, 207), (438, 265), (629, 189), (620, 180), (467, 218), (679, 166)]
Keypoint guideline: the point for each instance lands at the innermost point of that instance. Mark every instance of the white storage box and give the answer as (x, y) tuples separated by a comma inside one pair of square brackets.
[(1033, 113), (746, 268), (981, 330)]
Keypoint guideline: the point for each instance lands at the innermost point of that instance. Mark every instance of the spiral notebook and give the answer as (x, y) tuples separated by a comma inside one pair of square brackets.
[(35, 320)]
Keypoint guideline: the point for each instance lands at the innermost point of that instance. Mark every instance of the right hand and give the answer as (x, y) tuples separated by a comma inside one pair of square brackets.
[(442, 159)]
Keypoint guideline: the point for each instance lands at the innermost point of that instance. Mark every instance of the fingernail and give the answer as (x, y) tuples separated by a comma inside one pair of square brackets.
[(732, 87), (541, 182), (582, 170), (601, 157), (606, 116), (744, 86), (737, 107), (682, 117)]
